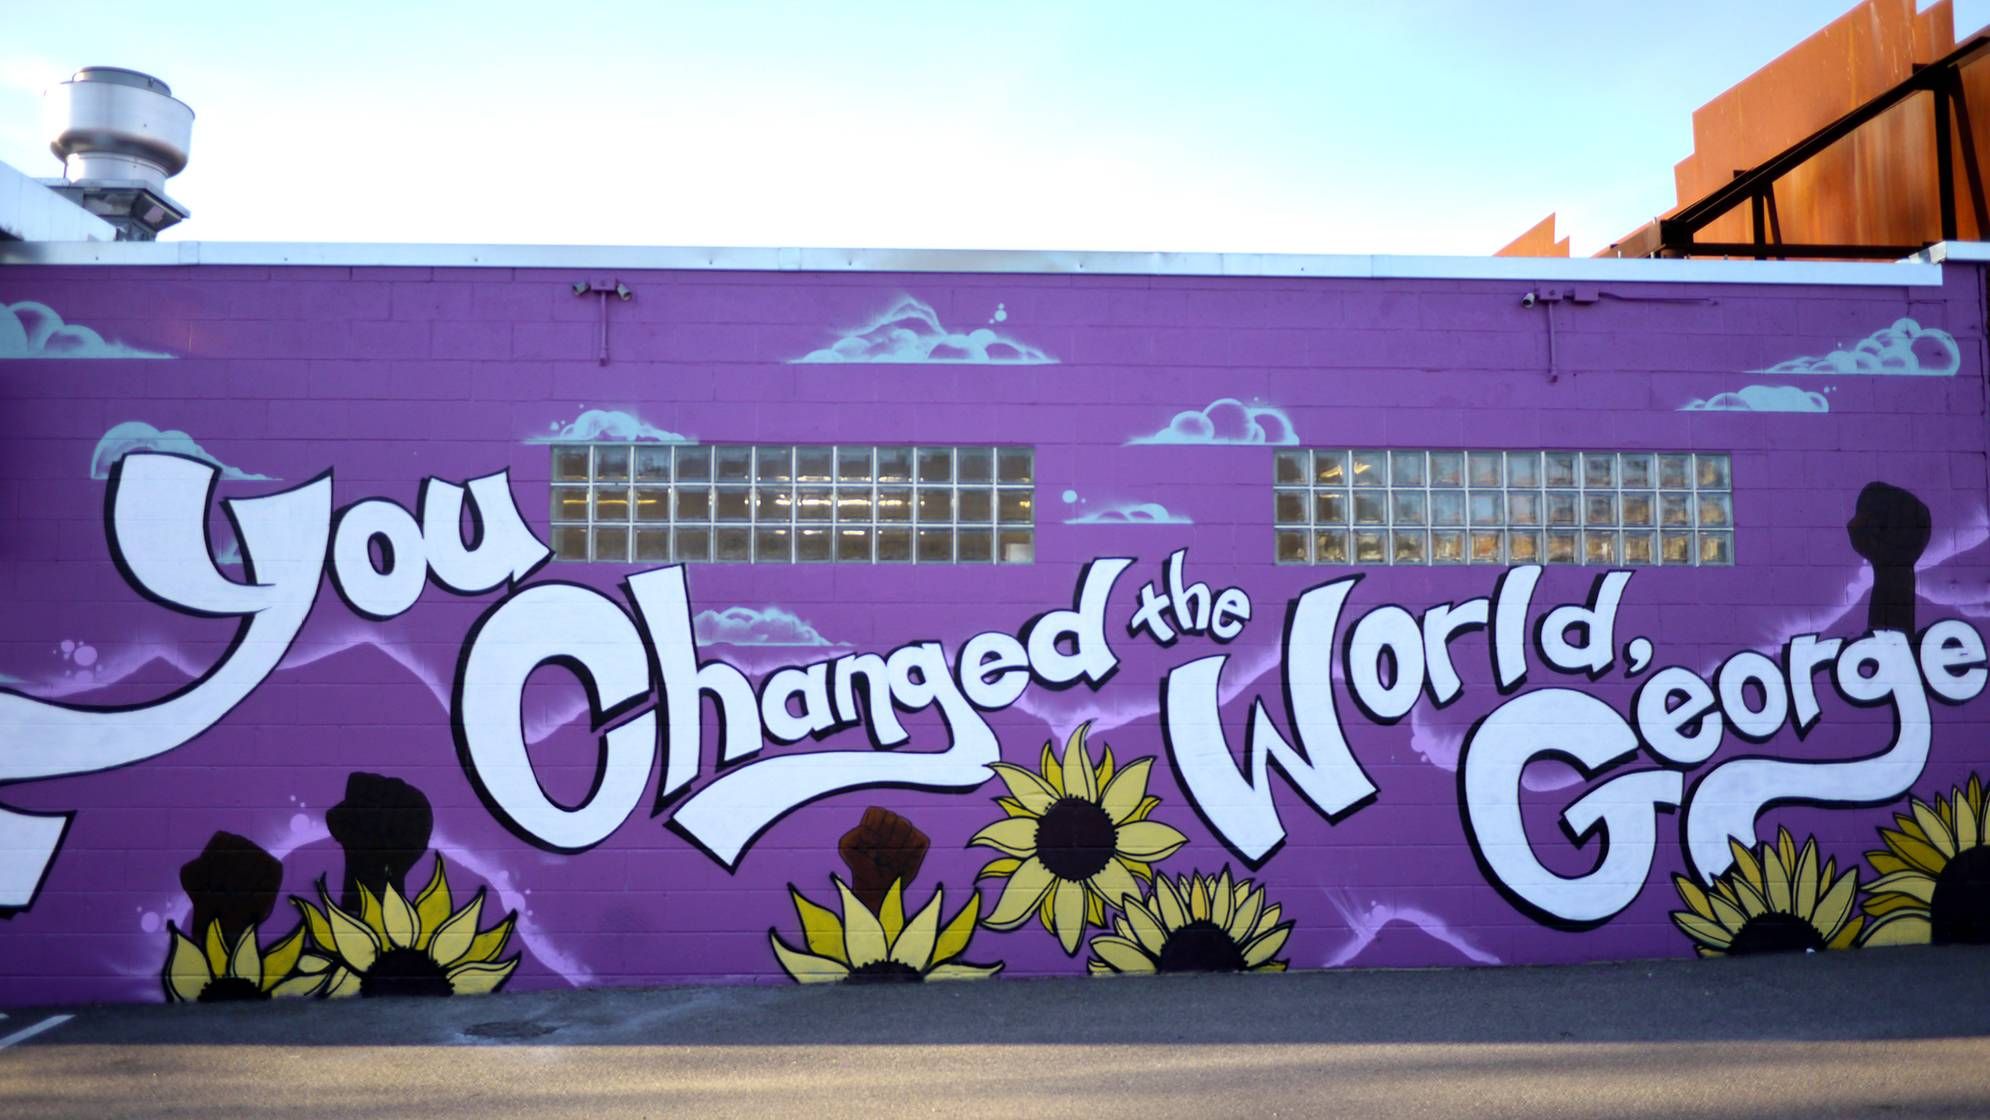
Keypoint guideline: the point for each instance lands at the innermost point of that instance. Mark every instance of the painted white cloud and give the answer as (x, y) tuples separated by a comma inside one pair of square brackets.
[(1761, 398), (33, 330), (1904, 349), (1228, 420), (1130, 513), (606, 424), (910, 332), (137, 435), (745, 626)]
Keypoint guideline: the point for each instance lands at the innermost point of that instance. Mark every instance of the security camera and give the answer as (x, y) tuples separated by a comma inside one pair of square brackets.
[(580, 287), (1529, 300), (622, 291)]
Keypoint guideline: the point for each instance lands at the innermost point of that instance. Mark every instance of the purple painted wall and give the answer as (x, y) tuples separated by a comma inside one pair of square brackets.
[(384, 377)]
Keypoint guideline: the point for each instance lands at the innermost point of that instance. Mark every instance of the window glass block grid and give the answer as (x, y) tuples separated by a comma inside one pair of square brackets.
[(1363, 507), (623, 503)]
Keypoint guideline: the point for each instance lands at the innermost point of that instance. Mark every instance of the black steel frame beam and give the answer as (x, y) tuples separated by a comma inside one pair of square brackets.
[(1939, 79)]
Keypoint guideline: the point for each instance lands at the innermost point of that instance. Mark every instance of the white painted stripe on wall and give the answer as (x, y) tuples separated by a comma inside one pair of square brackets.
[(26, 1033)]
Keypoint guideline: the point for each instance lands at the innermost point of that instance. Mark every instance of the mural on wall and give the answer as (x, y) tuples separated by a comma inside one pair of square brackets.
[(1084, 512), (1109, 764), (600, 424), (1762, 398), (1904, 349), (34, 330), (1228, 420), (137, 435), (910, 332)]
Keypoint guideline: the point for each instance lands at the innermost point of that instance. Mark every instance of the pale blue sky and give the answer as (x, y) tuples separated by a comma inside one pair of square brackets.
[(1401, 126)]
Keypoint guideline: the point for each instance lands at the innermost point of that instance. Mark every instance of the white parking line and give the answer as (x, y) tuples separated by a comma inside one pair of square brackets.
[(26, 1033)]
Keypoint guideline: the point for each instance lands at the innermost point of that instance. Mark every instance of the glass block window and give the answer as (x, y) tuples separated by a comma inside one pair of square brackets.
[(1400, 506), (621, 503)]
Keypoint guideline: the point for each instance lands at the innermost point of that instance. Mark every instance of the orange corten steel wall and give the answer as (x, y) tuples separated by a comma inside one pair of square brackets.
[(1876, 186)]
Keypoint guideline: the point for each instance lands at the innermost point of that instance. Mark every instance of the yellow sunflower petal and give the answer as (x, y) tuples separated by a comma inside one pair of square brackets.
[(863, 935), (963, 971), (486, 946), (1836, 905), (953, 939), (1777, 874), (451, 942), (1848, 937), (186, 973), (1702, 930), (1919, 854), (356, 945), (1127, 789), (1744, 862), (891, 913), (1147, 805), (1940, 837), (397, 918), (433, 906), (1250, 904), (1122, 955), (1149, 840), (913, 946), (822, 930), (1013, 808), (1694, 897), (1786, 849), (1025, 889), (217, 953), (1168, 904), (1144, 926), (1198, 900), (1915, 884), (1880, 905), (477, 978), (369, 913), (1222, 900), (1266, 946), (1727, 914), (316, 922), (1968, 830), (1804, 884), (1067, 914), (806, 968), (1014, 836), (344, 983), (1114, 882), (281, 960), (1080, 780), (1029, 791), (1095, 909), (246, 962), (1901, 929), (1751, 901), (999, 867), (297, 987), (1053, 774)]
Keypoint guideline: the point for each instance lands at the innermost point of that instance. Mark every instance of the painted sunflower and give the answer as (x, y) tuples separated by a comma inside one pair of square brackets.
[(861, 947), (1074, 840), (1934, 874), (1199, 923), (245, 971), (399, 948), (1774, 899)]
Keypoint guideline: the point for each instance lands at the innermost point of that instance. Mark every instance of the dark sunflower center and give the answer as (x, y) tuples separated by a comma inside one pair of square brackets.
[(884, 972), (228, 989), (1200, 946), (1075, 839), (1775, 933), (405, 972), (1961, 910)]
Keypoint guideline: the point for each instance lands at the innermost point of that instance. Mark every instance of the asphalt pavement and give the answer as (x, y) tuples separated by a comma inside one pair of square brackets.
[(1893, 1033)]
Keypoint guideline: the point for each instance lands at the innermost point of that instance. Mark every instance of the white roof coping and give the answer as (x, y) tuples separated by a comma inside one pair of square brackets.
[(1923, 270)]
